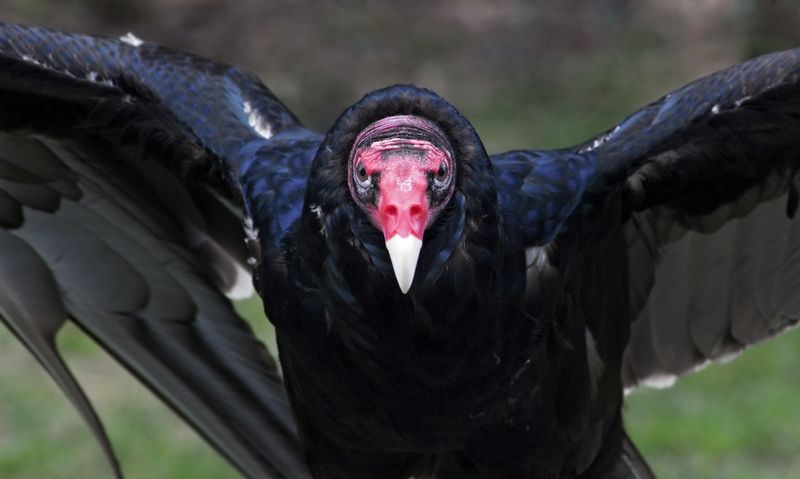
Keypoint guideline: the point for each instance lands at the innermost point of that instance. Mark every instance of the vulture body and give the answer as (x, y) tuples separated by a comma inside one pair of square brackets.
[(486, 327)]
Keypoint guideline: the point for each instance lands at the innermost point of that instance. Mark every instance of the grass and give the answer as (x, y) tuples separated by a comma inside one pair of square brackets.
[(737, 420)]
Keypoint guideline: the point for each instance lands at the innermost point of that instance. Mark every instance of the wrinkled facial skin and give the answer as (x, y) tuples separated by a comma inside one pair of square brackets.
[(401, 174)]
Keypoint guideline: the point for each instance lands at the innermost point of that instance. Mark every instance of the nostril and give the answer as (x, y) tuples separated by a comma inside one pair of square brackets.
[(390, 210), (402, 218), (415, 211)]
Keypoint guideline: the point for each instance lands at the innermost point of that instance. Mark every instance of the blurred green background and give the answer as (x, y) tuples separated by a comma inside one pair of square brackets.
[(527, 73)]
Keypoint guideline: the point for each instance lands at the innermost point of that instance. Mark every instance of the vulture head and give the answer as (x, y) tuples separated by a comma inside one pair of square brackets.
[(407, 166), (400, 174)]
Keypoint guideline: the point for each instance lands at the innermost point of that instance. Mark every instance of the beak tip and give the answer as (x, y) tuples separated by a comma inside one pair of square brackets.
[(404, 253)]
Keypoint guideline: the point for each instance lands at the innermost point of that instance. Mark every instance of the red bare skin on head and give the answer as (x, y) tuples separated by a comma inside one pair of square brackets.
[(404, 166), (401, 174)]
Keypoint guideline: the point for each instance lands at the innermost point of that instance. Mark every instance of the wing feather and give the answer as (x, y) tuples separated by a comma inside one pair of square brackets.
[(713, 248), (708, 181), (128, 171), (134, 278), (30, 304), (743, 282)]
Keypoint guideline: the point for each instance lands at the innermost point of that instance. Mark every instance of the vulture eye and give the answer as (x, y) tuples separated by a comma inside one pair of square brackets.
[(441, 174), (361, 173)]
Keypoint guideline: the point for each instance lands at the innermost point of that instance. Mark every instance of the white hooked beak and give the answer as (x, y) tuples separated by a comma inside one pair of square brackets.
[(404, 253)]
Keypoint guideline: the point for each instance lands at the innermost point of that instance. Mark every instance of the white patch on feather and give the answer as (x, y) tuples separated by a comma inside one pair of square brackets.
[(250, 231), (628, 390), (664, 381), (242, 287), (536, 256), (728, 357), (96, 78), (596, 365), (715, 109), (317, 210), (30, 59), (659, 381), (256, 121), (251, 241), (739, 102), (601, 139), (38, 63), (698, 367), (656, 381), (131, 39)]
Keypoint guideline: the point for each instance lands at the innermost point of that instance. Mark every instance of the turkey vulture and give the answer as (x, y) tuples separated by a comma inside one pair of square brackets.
[(440, 312)]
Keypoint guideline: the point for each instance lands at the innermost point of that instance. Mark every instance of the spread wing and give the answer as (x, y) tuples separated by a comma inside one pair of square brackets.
[(126, 171), (708, 181), (714, 242)]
